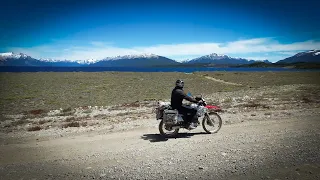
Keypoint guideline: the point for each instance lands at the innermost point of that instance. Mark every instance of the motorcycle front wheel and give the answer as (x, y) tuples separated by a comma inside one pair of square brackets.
[(167, 133), (211, 123)]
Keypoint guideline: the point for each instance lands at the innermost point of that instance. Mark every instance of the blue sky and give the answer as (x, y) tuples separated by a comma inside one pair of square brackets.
[(69, 29)]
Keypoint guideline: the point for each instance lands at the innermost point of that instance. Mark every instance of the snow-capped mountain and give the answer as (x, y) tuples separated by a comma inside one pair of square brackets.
[(311, 52), (132, 56), (20, 59), (68, 62), (138, 60), (50, 60), (87, 61), (8, 55), (312, 56), (220, 59), (214, 56), (11, 55)]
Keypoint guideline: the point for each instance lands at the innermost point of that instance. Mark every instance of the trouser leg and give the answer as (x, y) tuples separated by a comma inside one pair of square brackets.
[(189, 113), (184, 112)]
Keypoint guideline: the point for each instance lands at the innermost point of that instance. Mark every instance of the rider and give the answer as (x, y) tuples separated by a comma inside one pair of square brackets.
[(177, 97)]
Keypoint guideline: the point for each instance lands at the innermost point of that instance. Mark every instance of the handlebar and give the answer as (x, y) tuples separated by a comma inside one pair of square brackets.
[(202, 102)]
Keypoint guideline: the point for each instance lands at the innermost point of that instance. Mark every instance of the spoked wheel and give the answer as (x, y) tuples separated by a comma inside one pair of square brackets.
[(212, 123), (167, 131)]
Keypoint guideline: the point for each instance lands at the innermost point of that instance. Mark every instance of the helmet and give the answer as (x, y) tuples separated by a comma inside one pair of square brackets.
[(179, 83)]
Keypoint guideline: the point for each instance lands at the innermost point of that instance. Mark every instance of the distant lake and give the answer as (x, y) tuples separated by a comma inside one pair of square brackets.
[(142, 69)]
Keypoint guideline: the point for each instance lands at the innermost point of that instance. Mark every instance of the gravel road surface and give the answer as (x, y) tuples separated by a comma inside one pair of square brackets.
[(277, 148)]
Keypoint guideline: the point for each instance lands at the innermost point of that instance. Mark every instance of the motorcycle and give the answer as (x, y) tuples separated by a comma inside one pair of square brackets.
[(171, 121)]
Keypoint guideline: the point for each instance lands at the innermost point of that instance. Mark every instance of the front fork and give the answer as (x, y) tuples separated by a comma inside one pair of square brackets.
[(210, 121)]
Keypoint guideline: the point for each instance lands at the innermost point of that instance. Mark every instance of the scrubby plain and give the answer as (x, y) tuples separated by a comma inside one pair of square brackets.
[(22, 92)]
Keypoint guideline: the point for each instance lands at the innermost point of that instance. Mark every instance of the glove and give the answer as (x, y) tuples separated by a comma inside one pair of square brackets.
[(200, 101)]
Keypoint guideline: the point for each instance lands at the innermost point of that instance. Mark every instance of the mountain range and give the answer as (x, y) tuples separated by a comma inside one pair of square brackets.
[(148, 60), (312, 56), (143, 60), (221, 60)]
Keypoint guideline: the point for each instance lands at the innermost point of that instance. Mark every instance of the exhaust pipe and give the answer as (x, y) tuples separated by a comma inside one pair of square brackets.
[(175, 127)]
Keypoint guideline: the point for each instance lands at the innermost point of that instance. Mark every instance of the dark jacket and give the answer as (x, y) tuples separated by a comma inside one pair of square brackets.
[(177, 96)]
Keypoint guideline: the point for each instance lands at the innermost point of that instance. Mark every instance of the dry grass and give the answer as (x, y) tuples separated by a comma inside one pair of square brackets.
[(116, 108), (100, 116), (306, 100), (71, 124), (84, 123), (78, 122), (70, 119), (253, 104), (43, 121), (135, 104), (87, 111), (124, 113), (36, 93), (55, 90), (37, 112), (34, 128), (67, 112), (259, 79), (19, 122)]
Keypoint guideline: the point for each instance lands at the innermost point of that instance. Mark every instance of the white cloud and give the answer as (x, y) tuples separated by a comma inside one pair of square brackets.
[(266, 47), (289, 53), (255, 57), (99, 43)]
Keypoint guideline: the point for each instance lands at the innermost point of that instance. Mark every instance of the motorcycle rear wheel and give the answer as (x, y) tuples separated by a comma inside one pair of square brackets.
[(166, 134), (216, 120)]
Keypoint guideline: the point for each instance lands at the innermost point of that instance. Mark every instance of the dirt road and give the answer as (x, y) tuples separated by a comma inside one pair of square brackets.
[(283, 148), (222, 81)]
